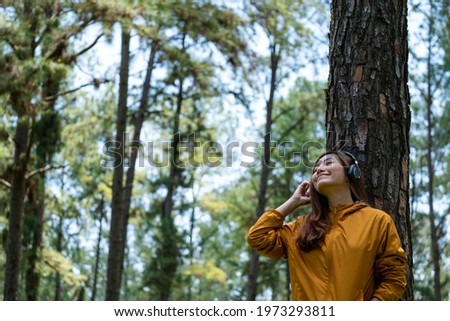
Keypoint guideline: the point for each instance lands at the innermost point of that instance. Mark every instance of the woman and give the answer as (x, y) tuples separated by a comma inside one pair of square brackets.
[(343, 249)]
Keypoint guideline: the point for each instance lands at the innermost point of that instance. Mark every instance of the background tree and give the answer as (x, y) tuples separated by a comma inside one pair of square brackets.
[(430, 77), (283, 26), (368, 103), (36, 55)]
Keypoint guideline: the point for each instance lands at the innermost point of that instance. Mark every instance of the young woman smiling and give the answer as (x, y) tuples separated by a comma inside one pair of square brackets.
[(343, 249)]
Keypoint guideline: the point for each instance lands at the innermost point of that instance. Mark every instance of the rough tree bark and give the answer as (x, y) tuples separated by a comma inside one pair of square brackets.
[(368, 102)]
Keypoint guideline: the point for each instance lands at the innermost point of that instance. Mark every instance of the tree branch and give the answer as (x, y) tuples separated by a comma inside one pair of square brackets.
[(41, 170), (5, 183), (90, 46), (95, 82)]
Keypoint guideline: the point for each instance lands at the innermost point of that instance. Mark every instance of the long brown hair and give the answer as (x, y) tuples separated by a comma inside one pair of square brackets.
[(317, 223)]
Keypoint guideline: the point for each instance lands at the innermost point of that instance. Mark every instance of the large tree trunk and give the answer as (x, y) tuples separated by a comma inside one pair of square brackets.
[(35, 223), (252, 285), (117, 234), (368, 102), (20, 101), (17, 196)]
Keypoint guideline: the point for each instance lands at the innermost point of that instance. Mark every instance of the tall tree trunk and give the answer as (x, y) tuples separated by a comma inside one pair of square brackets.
[(16, 204), (45, 135), (168, 255), (135, 144), (35, 224), (117, 236), (368, 102), (25, 111), (265, 171), (435, 250)]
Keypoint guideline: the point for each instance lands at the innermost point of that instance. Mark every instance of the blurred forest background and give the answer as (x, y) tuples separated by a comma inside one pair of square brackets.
[(132, 135)]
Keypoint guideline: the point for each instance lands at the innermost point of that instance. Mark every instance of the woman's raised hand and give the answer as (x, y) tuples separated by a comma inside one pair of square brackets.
[(302, 195)]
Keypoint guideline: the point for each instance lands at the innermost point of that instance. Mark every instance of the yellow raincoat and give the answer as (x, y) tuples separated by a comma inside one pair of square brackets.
[(361, 257)]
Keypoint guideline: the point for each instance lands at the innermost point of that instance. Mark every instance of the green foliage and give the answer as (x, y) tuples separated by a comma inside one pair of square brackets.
[(54, 262)]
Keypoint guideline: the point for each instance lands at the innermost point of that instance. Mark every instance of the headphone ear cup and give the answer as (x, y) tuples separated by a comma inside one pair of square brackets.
[(354, 173)]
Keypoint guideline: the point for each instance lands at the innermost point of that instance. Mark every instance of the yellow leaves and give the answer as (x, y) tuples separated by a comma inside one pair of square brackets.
[(207, 271), (86, 179), (55, 262), (213, 206), (105, 190)]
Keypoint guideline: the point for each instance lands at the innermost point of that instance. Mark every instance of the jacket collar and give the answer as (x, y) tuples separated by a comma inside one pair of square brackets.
[(346, 209)]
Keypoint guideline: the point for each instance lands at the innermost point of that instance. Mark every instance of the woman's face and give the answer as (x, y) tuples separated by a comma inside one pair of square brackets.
[(327, 173)]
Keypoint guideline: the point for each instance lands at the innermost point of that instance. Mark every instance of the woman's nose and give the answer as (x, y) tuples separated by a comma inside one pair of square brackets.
[(319, 169)]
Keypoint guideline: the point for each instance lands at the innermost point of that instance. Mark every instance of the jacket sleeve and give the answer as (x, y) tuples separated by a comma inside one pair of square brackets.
[(390, 264), (267, 234)]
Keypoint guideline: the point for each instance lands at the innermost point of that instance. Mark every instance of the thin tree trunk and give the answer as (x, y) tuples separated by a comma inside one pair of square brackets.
[(117, 234), (101, 213), (191, 243), (135, 144), (169, 257), (174, 170), (252, 286), (368, 103), (435, 250), (59, 246)]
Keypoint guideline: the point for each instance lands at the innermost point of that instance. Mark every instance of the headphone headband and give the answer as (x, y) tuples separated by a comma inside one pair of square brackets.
[(355, 161)]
